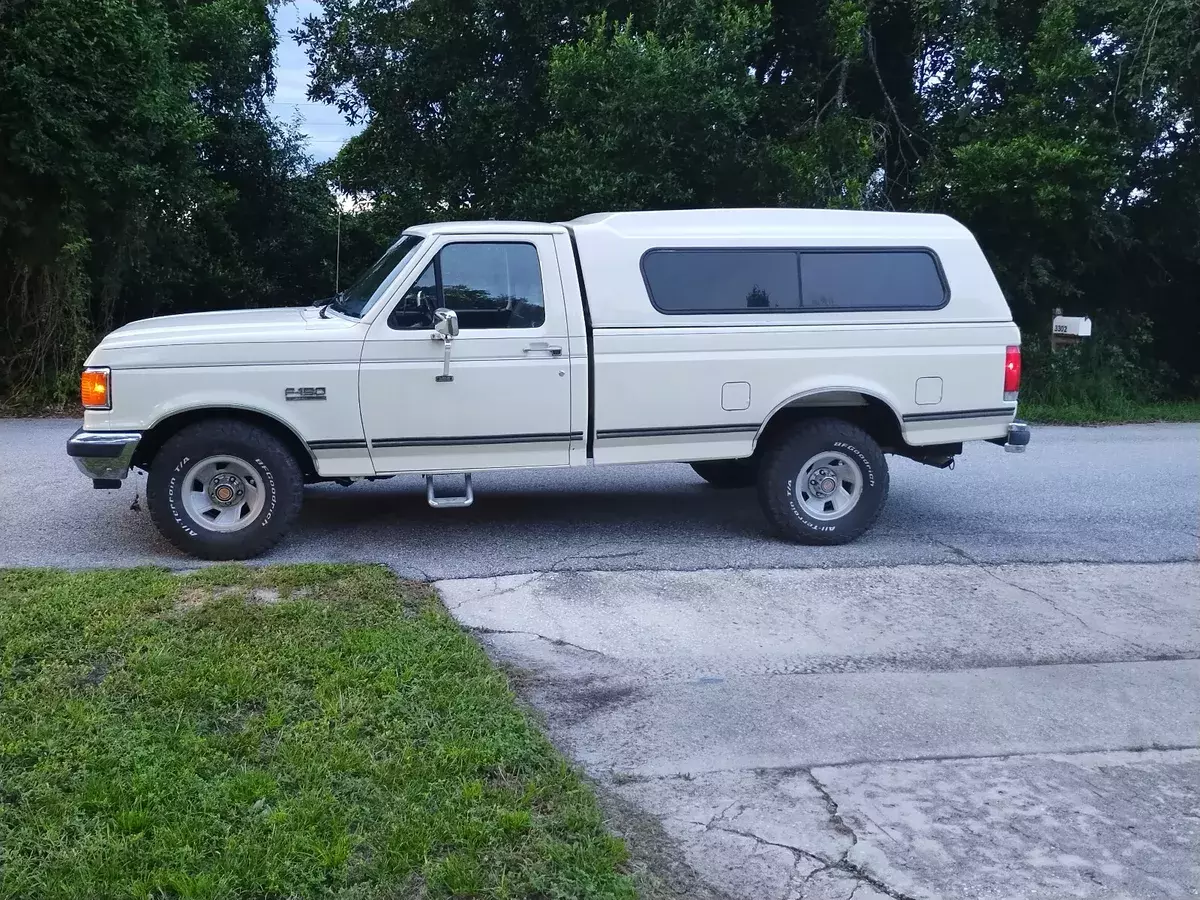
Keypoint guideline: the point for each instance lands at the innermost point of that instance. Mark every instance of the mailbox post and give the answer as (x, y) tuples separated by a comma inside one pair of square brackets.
[(1068, 330)]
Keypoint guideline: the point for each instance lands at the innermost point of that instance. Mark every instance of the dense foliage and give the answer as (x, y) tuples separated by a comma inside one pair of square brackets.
[(140, 173)]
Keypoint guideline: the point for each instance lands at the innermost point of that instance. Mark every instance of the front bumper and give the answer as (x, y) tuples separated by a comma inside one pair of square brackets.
[(103, 456)]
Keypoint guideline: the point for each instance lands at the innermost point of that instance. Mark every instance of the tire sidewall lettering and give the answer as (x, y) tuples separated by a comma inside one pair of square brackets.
[(863, 462), (272, 493)]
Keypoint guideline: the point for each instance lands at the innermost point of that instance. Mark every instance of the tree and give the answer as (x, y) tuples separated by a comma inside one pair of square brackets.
[(140, 172)]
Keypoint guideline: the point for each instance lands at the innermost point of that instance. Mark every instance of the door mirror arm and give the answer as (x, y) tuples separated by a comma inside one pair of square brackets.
[(445, 329)]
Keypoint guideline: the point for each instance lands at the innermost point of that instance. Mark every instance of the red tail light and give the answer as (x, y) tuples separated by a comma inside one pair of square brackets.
[(1012, 372)]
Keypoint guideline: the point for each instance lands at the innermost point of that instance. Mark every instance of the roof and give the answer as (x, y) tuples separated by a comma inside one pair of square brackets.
[(742, 223), (768, 222), (486, 226)]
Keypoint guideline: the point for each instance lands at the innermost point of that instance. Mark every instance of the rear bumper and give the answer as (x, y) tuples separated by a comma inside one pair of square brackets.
[(103, 455), (1017, 438)]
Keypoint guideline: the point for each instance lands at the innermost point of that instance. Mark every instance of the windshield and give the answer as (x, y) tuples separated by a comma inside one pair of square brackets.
[(357, 299)]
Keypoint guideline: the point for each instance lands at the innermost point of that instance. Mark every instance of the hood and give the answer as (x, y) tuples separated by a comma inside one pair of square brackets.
[(238, 333), (287, 323)]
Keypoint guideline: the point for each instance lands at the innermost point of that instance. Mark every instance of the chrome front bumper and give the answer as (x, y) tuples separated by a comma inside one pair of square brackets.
[(103, 456)]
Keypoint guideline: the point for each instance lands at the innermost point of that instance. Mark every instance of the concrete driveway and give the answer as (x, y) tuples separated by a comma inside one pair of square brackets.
[(958, 731)]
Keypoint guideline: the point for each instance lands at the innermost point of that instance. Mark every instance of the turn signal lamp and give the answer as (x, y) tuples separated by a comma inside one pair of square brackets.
[(93, 389)]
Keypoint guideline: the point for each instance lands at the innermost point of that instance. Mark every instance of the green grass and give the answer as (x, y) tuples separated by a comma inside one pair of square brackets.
[(306, 731), (1084, 413)]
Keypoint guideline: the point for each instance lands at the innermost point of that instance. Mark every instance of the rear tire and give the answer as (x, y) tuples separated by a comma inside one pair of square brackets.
[(224, 490), (728, 473), (823, 482)]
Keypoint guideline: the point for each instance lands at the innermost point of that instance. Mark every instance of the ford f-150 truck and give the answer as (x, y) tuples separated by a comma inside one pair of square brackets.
[(783, 349)]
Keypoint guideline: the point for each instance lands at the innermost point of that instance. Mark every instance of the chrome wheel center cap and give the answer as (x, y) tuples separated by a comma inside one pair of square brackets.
[(226, 489), (823, 482)]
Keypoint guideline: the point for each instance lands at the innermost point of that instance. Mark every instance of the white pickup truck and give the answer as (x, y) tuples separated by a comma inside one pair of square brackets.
[(783, 349)]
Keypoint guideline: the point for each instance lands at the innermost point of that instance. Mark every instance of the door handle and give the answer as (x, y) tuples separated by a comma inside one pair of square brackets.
[(543, 347)]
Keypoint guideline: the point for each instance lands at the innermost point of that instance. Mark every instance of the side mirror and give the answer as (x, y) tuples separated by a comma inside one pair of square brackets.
[(445, 323)]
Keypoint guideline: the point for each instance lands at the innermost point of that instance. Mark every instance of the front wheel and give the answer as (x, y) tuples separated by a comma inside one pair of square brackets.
[(823, 482), (224, 490)]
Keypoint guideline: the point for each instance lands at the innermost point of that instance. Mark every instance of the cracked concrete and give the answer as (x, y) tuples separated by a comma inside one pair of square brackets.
[(907, 733)]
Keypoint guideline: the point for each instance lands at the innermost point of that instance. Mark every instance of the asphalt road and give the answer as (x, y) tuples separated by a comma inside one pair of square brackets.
[(1120, 494)]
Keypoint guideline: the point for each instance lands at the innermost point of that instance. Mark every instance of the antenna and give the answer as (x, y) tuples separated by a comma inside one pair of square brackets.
[(337, 269)]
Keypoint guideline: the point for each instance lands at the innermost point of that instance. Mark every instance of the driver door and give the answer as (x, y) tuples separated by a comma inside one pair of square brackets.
[(509, 403)]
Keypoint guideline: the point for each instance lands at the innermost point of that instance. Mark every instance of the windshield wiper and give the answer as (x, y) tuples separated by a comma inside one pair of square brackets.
[(323, 306)]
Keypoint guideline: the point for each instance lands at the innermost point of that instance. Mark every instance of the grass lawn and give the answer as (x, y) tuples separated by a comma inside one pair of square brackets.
[(1083, 414), (302, 731)]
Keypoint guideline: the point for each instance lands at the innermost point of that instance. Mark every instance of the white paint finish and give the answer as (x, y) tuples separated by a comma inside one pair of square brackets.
[(735, 395), (686, 367), (144, 397), (652, 371), (673, 448), (612, 246), (928, 391), (288, 334), (576, 348), (498, 389)]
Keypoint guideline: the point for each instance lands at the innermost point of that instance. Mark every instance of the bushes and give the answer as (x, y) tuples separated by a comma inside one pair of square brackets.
[(1112, 377)]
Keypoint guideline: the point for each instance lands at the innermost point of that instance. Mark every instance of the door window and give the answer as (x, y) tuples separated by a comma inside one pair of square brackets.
[(415, 309), (489, 285)]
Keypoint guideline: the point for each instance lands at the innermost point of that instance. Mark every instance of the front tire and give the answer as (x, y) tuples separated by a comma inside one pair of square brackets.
[(823, 482), (224, 490)]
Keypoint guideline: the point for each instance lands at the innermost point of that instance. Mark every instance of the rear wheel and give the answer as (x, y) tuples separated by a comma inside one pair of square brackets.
[(823, 482), (728, 473), (224, 490)]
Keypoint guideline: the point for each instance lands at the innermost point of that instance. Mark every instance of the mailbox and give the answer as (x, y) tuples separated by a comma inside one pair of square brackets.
[(1072, 326)]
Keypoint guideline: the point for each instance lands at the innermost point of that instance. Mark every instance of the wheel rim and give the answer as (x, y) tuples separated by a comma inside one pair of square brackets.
[(829, 485), (223, 493)]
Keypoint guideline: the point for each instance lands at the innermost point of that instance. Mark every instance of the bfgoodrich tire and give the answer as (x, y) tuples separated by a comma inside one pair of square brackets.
[(728, 473), (823, 482), (223, 489)]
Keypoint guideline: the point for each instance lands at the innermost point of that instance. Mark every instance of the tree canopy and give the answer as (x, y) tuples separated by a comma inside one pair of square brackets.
[(141, 172)]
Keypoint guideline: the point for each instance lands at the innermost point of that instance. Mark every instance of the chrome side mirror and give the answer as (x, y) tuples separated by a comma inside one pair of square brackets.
[(445, 324), (445, 329)]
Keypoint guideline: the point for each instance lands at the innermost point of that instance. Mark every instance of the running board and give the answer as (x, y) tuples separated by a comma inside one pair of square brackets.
[(466, 499)]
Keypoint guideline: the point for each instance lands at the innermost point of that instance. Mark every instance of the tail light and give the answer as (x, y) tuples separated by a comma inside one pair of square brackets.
[(1012, 372), (93, 389)]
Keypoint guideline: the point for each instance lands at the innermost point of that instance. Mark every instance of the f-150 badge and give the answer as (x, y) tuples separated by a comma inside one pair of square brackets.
[(304, 393)]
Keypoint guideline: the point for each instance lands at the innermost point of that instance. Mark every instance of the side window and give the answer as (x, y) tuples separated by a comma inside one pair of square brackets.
[(722, 281), (489, 285), (753, 280), (415, 309), (492, 285), (892, 279)]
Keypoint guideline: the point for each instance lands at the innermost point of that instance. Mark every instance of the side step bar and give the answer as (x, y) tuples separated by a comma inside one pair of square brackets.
[(444, 502)]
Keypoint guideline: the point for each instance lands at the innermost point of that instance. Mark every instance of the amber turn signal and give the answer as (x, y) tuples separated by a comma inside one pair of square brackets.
[(93, 389)]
